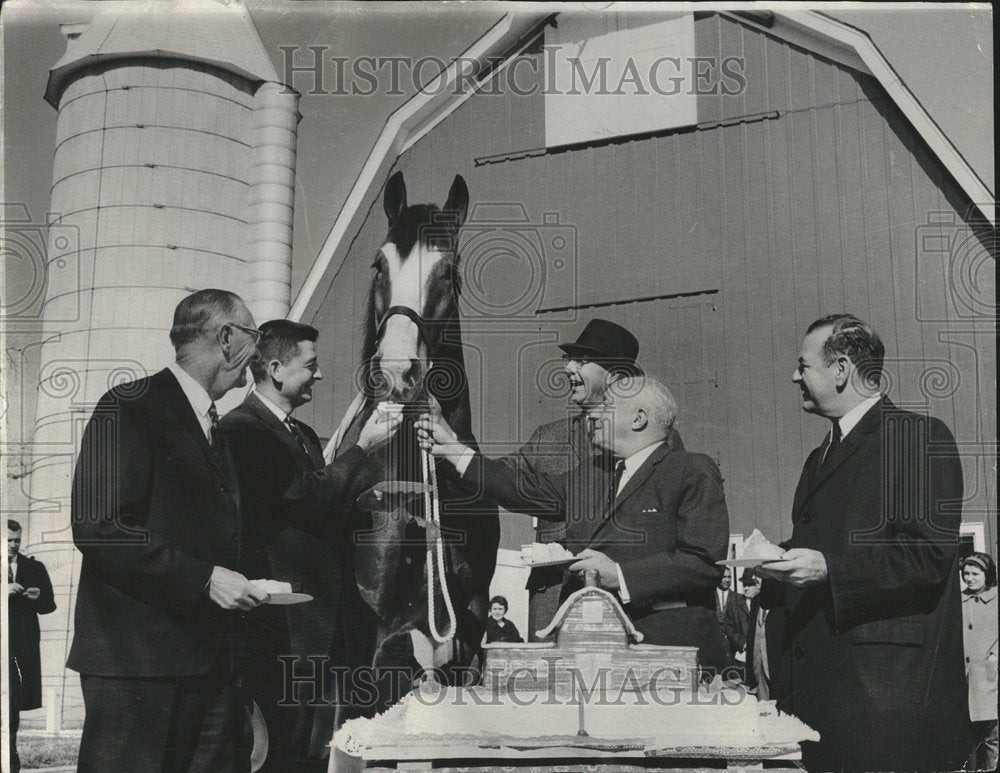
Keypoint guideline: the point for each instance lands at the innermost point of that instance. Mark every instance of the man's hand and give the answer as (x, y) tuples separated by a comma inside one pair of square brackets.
[(14, 587), (32, 593), (434, 435), (800, 567), (375, 434), (231, 590), (594, 559)]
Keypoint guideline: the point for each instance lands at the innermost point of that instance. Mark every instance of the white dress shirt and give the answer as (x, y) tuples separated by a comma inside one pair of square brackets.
[(277, 410), (850, 419), (197, 397)]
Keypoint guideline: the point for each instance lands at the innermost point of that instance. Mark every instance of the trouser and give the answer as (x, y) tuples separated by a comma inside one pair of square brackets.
[(14, 715), (175, 725)]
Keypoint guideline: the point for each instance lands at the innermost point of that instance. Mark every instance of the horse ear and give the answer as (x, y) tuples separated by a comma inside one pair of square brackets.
[(394, 201), (458, 199)]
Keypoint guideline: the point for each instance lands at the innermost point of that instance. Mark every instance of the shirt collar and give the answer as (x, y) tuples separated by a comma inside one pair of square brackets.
[(634, 462), (194, 391), (277, 410), (850, 419)]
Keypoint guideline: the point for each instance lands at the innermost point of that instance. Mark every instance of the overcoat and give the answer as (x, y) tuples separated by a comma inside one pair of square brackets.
[(22, 617), (872, 659)]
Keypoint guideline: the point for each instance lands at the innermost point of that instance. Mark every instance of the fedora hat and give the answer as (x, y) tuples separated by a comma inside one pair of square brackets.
[(609, 345)]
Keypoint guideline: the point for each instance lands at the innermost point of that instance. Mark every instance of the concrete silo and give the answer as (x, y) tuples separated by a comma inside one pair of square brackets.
[(173, 170)]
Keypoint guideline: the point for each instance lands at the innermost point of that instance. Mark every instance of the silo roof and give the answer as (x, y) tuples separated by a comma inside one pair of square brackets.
[(209, 31)]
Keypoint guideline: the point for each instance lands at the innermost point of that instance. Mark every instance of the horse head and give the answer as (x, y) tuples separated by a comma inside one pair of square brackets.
[(413, 301)]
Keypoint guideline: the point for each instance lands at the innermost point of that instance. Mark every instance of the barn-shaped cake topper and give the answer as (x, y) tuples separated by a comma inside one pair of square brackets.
[(590, 643)]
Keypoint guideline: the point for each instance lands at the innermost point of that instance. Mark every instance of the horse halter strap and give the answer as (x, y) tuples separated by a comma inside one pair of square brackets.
[(404, 311)]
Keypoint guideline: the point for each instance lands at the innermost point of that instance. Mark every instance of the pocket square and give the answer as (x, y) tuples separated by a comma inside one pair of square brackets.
[(650, 510)]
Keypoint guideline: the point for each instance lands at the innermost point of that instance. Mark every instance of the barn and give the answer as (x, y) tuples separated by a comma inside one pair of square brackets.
[(778, 170)]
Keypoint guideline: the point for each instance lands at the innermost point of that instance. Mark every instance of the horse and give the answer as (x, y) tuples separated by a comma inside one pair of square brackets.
[(413, 351)]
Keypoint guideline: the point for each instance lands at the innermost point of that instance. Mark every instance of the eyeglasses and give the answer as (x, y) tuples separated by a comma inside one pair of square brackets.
[(250, 331)]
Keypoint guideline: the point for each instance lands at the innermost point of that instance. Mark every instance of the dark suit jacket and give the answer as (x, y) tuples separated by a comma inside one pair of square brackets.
[(23, 632), (872, 659), (294, 504), (153, 511), (670, 525), (737, 621), (285, 487)]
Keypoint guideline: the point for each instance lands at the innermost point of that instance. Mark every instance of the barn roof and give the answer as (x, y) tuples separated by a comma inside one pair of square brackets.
[(207, 31), (571, 600), (810, 30)]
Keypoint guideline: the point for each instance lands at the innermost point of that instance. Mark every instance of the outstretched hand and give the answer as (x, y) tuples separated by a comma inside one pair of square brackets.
[(377, 433), (434, 435)]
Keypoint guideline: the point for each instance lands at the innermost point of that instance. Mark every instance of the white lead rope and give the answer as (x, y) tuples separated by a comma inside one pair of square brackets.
[(432, 512)]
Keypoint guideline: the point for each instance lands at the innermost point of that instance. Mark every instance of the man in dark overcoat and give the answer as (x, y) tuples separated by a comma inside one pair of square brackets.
[(865, 639), (29, 594)]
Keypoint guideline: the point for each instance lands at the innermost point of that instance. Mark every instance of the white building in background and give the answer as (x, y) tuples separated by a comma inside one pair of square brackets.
[(174, 170)]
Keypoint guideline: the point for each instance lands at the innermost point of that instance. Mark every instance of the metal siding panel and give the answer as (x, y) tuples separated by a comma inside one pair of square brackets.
[(754, 98), (787, 329), (909, 343), (852, 211), (706, 44), (830, 268), (731, 44), (736, 462), (778, 75), (800, 83), (875, 195), (760, 319)]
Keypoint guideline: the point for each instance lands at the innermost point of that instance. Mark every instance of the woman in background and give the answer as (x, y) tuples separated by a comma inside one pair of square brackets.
[(498, 627), (979, 624)]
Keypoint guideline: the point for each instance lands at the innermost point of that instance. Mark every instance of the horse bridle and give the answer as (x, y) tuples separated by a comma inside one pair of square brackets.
[(404, 311)]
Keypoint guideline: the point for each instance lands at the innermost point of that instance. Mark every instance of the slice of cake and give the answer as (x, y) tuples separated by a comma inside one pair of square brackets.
[(387, 409), (539, 553), (757, 546), (272, 587)]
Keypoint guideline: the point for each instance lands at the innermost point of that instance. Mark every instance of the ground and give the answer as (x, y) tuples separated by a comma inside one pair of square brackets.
[(47, 751)]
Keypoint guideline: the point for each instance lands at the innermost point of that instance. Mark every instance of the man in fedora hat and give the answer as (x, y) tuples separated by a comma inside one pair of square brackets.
[(602, 356)]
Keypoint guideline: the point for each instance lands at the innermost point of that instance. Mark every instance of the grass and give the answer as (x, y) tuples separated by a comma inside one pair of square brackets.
[(47, 751)]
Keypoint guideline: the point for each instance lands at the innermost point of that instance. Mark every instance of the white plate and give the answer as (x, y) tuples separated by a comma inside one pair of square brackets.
[(751, 563), (289, 598), (557, 562)]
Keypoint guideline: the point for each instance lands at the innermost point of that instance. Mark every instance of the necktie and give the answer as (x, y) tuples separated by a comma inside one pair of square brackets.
[(10, 572), (297, 434), (213, 436), (613, 489), (834, 442)]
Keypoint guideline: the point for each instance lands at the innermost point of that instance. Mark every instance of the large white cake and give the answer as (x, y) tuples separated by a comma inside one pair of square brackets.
[(591, 689)]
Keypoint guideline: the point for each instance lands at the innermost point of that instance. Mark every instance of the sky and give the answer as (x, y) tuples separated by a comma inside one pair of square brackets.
[(943, 55)]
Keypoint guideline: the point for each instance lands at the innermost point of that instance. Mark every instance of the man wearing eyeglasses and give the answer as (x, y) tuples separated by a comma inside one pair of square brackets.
[(156, 513), (295, 507)]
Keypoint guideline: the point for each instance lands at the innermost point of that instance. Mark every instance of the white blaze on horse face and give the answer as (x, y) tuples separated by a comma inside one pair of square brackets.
[(402, 351)]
